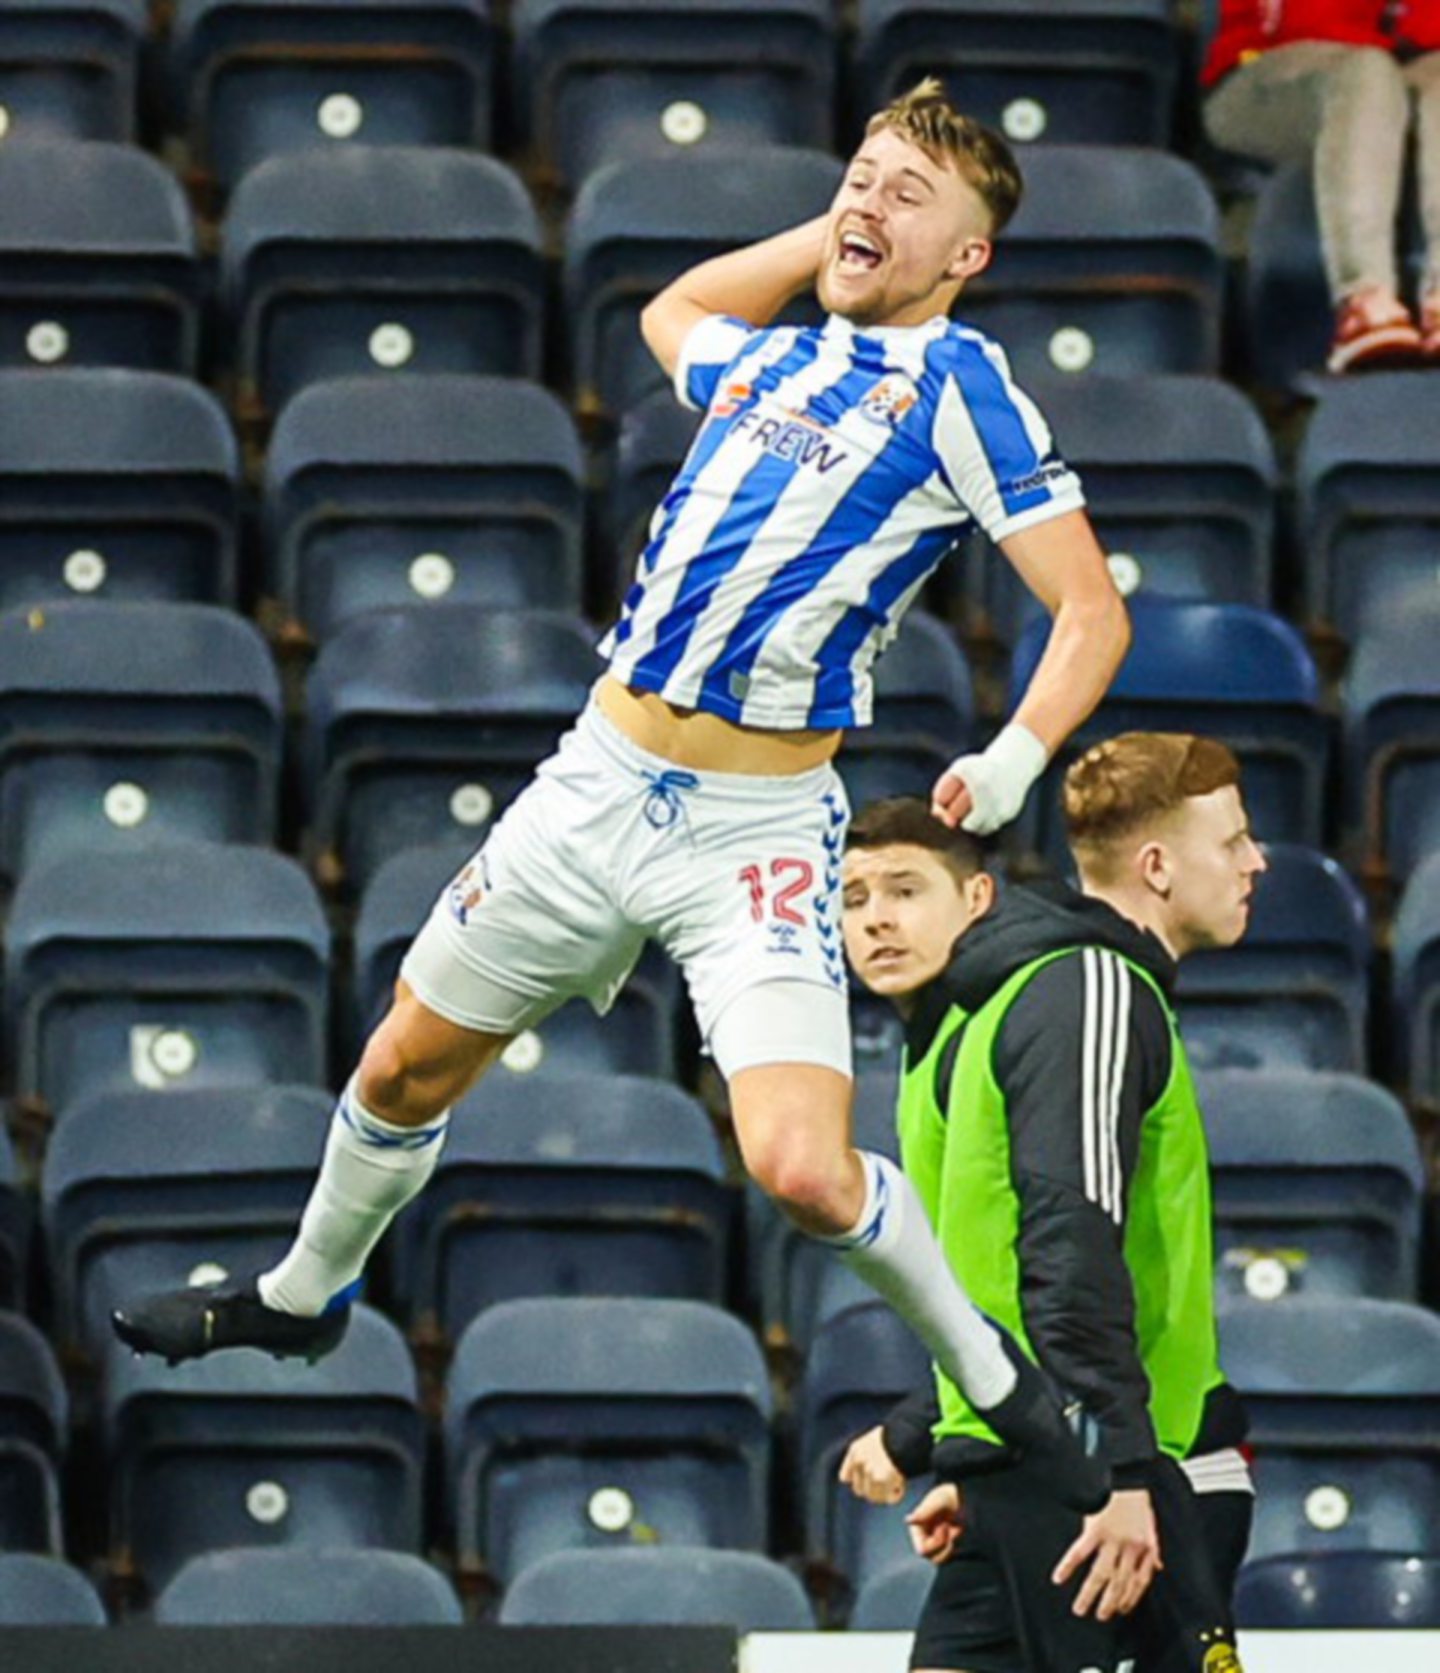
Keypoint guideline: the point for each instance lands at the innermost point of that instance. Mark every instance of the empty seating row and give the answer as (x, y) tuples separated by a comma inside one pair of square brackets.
[(391, 257), (249, 79)]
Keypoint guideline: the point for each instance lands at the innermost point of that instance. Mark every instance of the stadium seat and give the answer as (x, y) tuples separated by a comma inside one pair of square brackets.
[(635, 226), (603, 1422), (600, 83), (1179, 477), (41, 1591), (379, 258), (251, 79), (68, 68), (795, 1283), (125, 725), (117, 485), (1112, 264), (545, 1189), (15, 1220), (34, 1413), (1415, 1008), (653, 1586), (1289, 319), (1355, 1590), (345, 1588), (241, 1449), (1391, 703), (1102, 72), (408, 489), (860, 1363), (150, 1191), (1293, 993), (1317, 1184), (1343, 1397), (650, 446), (1368, 479), (1236, 673), (97, 259), (421, 724), (891, 1599), (195, 965)]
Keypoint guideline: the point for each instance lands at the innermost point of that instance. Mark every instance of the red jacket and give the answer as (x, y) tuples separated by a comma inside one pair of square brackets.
[(1248, 27)]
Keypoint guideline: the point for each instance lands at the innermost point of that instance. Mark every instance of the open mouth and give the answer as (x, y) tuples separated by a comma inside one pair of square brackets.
[(858, 253)]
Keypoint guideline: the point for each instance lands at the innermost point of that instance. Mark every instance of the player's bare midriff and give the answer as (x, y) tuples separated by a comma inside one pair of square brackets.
[(706, 742)]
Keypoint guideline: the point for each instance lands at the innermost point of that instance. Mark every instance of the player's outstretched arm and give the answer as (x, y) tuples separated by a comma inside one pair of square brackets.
[(752, 284), (1062, 564)]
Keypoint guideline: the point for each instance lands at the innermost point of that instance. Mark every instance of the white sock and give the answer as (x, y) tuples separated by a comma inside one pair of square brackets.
[(370, 1170), (894, 1250)]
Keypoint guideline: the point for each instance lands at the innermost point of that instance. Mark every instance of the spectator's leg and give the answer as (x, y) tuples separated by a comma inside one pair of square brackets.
[(1423, 77), (1359, 167)]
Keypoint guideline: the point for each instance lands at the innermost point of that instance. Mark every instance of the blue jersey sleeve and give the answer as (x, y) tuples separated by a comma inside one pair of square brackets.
[(995, 449), (713, 344)]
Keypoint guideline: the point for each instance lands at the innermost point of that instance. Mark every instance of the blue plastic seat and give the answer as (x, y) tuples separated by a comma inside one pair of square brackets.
[(1356, 1590), (635, 226), (348, 1588), (115, 485), (543, 1189), (1101, 72), (252, 79), (892, 1598), (653, 439), (196, 965), (862, 1360), (241, 1449), (126, 725), (150, 1191), (1239, 674), (1343, 1397), (1391, 702), (379, 258), (34, 1413), (653, 1586), (402, 490), (599, 83), (1293, 992), (1112, 264), (796, 1283), (1415, 1005), (41, 1591), (97, 259), (15, 1224), (1289, 318), (1179, 478), (68, 68), (594, 1423), (1317, 1184), (1368, 478), (421, 724)]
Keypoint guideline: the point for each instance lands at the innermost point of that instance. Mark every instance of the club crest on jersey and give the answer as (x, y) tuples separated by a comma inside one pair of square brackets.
[(890, 400)]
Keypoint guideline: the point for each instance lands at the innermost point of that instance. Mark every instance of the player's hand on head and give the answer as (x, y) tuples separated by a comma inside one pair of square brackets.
[(868, 1470), (937, 1523), (1122, 1545)]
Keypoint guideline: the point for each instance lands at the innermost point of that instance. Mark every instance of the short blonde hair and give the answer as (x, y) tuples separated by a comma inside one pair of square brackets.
[(926, 118), (1128, 784)]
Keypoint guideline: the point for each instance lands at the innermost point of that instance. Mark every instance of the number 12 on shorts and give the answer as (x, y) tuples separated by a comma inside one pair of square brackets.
[(801, 877)]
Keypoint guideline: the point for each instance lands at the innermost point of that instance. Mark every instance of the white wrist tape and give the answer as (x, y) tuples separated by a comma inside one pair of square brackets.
[(1000, 778)]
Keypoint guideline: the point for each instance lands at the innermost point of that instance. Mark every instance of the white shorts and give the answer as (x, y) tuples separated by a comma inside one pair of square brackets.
[(736, 876)]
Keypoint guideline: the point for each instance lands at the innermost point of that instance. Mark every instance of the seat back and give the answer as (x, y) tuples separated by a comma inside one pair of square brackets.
[(403, 490), (68, 71), (586, 1422), (42, 1591), (356, 1588), (253, 79), (34, 1412), (653, 1586), (389, 258), (97, 253), (1340, 1589), (1416, 995), (635, 226)]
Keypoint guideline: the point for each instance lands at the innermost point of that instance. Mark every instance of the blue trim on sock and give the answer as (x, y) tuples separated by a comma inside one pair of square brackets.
[(342, 1298)]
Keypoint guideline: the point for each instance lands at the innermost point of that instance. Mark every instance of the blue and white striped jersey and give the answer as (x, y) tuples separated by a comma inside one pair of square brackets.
[(833, 471)]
